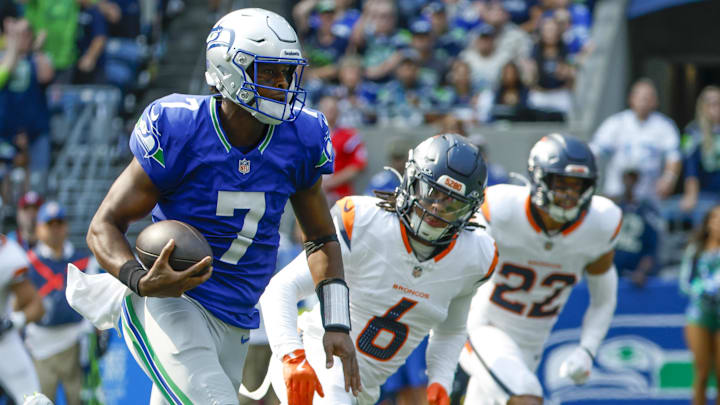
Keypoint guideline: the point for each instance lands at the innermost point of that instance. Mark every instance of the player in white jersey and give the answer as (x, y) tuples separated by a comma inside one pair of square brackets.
[(17, 373), (412, 265), (549, 237)]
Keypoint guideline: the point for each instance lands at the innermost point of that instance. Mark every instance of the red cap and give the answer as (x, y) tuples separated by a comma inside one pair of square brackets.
[(30, 198)]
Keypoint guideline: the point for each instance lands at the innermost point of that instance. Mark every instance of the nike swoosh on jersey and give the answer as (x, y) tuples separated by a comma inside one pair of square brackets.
[(300, 366)]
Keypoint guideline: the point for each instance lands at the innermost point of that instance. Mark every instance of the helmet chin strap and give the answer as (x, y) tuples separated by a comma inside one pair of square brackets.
[(561, 214), (424, 230)]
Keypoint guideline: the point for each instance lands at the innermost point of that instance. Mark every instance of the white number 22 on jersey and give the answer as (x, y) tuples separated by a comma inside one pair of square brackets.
[(227, 203)]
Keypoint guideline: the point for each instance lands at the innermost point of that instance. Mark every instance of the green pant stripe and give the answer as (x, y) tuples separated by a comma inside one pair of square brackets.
[(139, 351), (133, 318)]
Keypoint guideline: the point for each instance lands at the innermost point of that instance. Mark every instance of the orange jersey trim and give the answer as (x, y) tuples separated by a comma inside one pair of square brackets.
[(491, 270), (19, 272), (617, 229), (446, 251), (347, 213), (405, 240), (574, 226), (485, 208), (530, 218)]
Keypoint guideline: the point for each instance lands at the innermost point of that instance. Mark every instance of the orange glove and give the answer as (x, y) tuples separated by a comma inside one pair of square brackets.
[(300, 379), (437, 395)]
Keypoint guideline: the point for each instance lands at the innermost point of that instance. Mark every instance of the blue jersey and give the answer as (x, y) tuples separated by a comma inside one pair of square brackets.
[(234, 198), (639, 235)]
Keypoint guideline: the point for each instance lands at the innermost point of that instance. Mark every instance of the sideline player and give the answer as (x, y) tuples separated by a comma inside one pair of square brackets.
[(549, 236), (17, 373), (225, 164), (413, 266)]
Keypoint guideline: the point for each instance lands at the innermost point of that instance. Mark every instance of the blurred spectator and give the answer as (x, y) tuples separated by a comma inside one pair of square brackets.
[(464, 14), (387, 180), (510, 99), (700, 280), (54, 340), (433, 65), (449, 41), (306, 16), (458, 97), (702, 165), (56, 21), (643, 137), (346, 15), (496, 173), (123, 17), (17, 373), (574, 21), (350, 154), (7, 168), (8, 9), (126, 50), (356, 96), (91, 40), (638, 247), (450, 124), (510, 38), (553, 75), (323, 47), (519, 10), (376, 37), (24, 115), (484, 58), (408, 10), (404, 101), (26, 218)]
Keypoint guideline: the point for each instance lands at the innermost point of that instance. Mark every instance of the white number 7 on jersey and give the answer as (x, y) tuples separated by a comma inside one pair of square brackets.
[(227, 203)]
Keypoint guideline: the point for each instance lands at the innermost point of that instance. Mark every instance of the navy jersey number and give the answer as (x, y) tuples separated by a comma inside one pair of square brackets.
[(528, 279), (563, 280), (389, 323), (528, 276)]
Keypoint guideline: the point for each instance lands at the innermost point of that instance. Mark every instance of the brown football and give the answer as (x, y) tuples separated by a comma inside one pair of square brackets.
[(190, 244)]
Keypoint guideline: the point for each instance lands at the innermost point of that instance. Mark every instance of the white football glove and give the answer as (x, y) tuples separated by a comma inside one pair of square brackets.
[(37, 399), (577, 366)]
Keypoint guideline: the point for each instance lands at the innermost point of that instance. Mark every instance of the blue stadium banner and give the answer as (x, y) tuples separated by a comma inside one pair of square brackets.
[(643, 360)]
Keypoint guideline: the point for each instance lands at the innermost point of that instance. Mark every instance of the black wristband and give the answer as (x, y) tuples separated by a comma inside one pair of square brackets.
[(312, 246), (130, 274)]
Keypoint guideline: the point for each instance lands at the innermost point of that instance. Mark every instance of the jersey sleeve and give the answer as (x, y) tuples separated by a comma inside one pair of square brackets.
[(320, 155), (488, 256), (343, 214), (611, 224), (156, 146)]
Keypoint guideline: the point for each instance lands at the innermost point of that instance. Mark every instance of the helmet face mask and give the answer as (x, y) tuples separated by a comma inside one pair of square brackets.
[(241, 48), (443, 186), (563, 177)]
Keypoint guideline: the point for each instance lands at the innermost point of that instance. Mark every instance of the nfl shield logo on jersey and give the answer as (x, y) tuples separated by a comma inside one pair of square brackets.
[(244, 166), (417, 271)]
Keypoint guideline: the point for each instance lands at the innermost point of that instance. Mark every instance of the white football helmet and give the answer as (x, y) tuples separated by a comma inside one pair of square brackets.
[(247, 38)]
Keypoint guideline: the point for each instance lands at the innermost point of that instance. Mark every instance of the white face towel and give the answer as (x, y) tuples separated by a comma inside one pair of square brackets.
[(97, 297)]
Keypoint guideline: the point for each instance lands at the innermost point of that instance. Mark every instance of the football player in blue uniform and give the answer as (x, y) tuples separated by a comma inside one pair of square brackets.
[(225, 164)]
